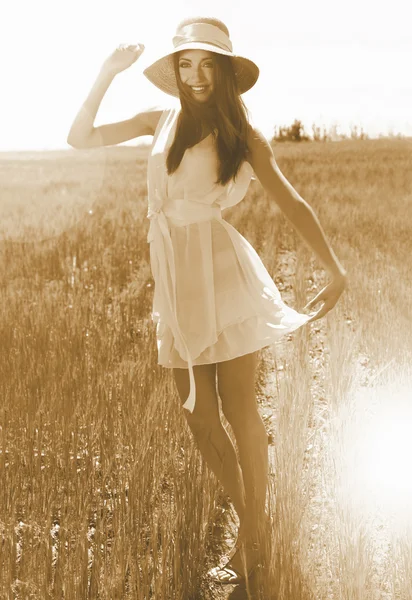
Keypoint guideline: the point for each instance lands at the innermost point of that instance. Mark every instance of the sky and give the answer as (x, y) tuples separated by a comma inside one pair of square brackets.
[(322, 62)]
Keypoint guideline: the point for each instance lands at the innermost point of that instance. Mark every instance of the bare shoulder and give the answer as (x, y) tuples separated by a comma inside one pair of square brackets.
[(259, 147)]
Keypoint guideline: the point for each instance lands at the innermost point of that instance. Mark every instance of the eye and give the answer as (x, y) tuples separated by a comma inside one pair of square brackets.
[(207, 64)]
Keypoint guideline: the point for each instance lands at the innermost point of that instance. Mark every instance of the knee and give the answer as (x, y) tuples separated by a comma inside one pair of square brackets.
[(205, 416), (238, 401), (228, 400), (202, 426), (240, 409), (235, 412)]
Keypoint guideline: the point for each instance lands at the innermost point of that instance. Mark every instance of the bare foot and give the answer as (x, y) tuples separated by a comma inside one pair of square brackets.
[(242, 553)]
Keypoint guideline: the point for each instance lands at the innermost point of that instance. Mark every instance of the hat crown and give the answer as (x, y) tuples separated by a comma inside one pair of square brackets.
[(202, 33)]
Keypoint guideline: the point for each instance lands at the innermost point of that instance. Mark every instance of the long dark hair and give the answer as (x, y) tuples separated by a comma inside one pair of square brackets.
[(225, 112)]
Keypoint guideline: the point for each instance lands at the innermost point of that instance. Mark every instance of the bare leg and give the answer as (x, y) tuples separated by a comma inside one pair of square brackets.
[(210, 436), (236, 384), (253, 455)]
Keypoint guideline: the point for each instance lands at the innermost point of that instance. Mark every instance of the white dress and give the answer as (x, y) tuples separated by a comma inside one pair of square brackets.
[(213, 300)]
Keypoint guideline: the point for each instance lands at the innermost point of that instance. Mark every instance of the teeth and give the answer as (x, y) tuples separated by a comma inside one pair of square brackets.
[(198, 89)]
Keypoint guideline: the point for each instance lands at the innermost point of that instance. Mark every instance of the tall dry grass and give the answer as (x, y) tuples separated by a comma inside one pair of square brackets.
[(104, 494)]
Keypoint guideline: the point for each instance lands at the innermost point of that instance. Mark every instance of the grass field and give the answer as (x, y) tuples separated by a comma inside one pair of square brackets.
[(103, 494)]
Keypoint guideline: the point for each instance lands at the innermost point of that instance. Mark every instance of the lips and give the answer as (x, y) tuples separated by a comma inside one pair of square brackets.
[(199, 89)]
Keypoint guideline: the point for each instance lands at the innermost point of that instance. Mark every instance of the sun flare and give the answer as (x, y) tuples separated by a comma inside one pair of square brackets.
[(376, 453)]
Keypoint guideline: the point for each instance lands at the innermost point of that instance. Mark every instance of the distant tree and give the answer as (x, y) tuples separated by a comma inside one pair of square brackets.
[(358, 134), (392, 134), (280, 134), (318, 136), (293, 133), (296, 133)]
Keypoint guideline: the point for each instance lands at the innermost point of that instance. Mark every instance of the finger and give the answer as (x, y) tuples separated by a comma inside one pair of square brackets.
[(318, 298), (136, 47), (321, 312), (323, 295), (316, 316), (309, 305)]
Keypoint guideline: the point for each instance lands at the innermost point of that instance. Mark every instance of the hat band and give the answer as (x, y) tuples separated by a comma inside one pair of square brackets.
[(203, 32)]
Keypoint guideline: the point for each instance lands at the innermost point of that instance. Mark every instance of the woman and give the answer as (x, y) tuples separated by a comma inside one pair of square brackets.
[(214, 303)]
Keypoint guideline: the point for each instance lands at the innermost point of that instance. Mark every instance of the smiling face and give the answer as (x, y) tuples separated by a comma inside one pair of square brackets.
[(196, 73)]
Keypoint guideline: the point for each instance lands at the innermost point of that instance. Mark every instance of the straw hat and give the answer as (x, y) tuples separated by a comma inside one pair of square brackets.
[(200, 35)]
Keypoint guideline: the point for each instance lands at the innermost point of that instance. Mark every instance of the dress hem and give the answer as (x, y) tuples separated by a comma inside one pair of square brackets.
[(263, 341)]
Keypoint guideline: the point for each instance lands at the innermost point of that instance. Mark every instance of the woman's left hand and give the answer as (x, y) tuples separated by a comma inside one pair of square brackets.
[(329, 295)]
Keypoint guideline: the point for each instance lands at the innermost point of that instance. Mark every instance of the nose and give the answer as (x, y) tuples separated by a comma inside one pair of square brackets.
[(198, 77)]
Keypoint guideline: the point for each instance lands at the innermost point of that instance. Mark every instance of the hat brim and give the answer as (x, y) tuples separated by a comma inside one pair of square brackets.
[(162, 74)]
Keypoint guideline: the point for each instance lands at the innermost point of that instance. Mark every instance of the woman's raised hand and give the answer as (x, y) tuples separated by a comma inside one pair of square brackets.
[(122, 58)]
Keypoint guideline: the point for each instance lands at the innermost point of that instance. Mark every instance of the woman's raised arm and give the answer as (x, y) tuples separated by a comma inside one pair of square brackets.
[(83, 134)]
